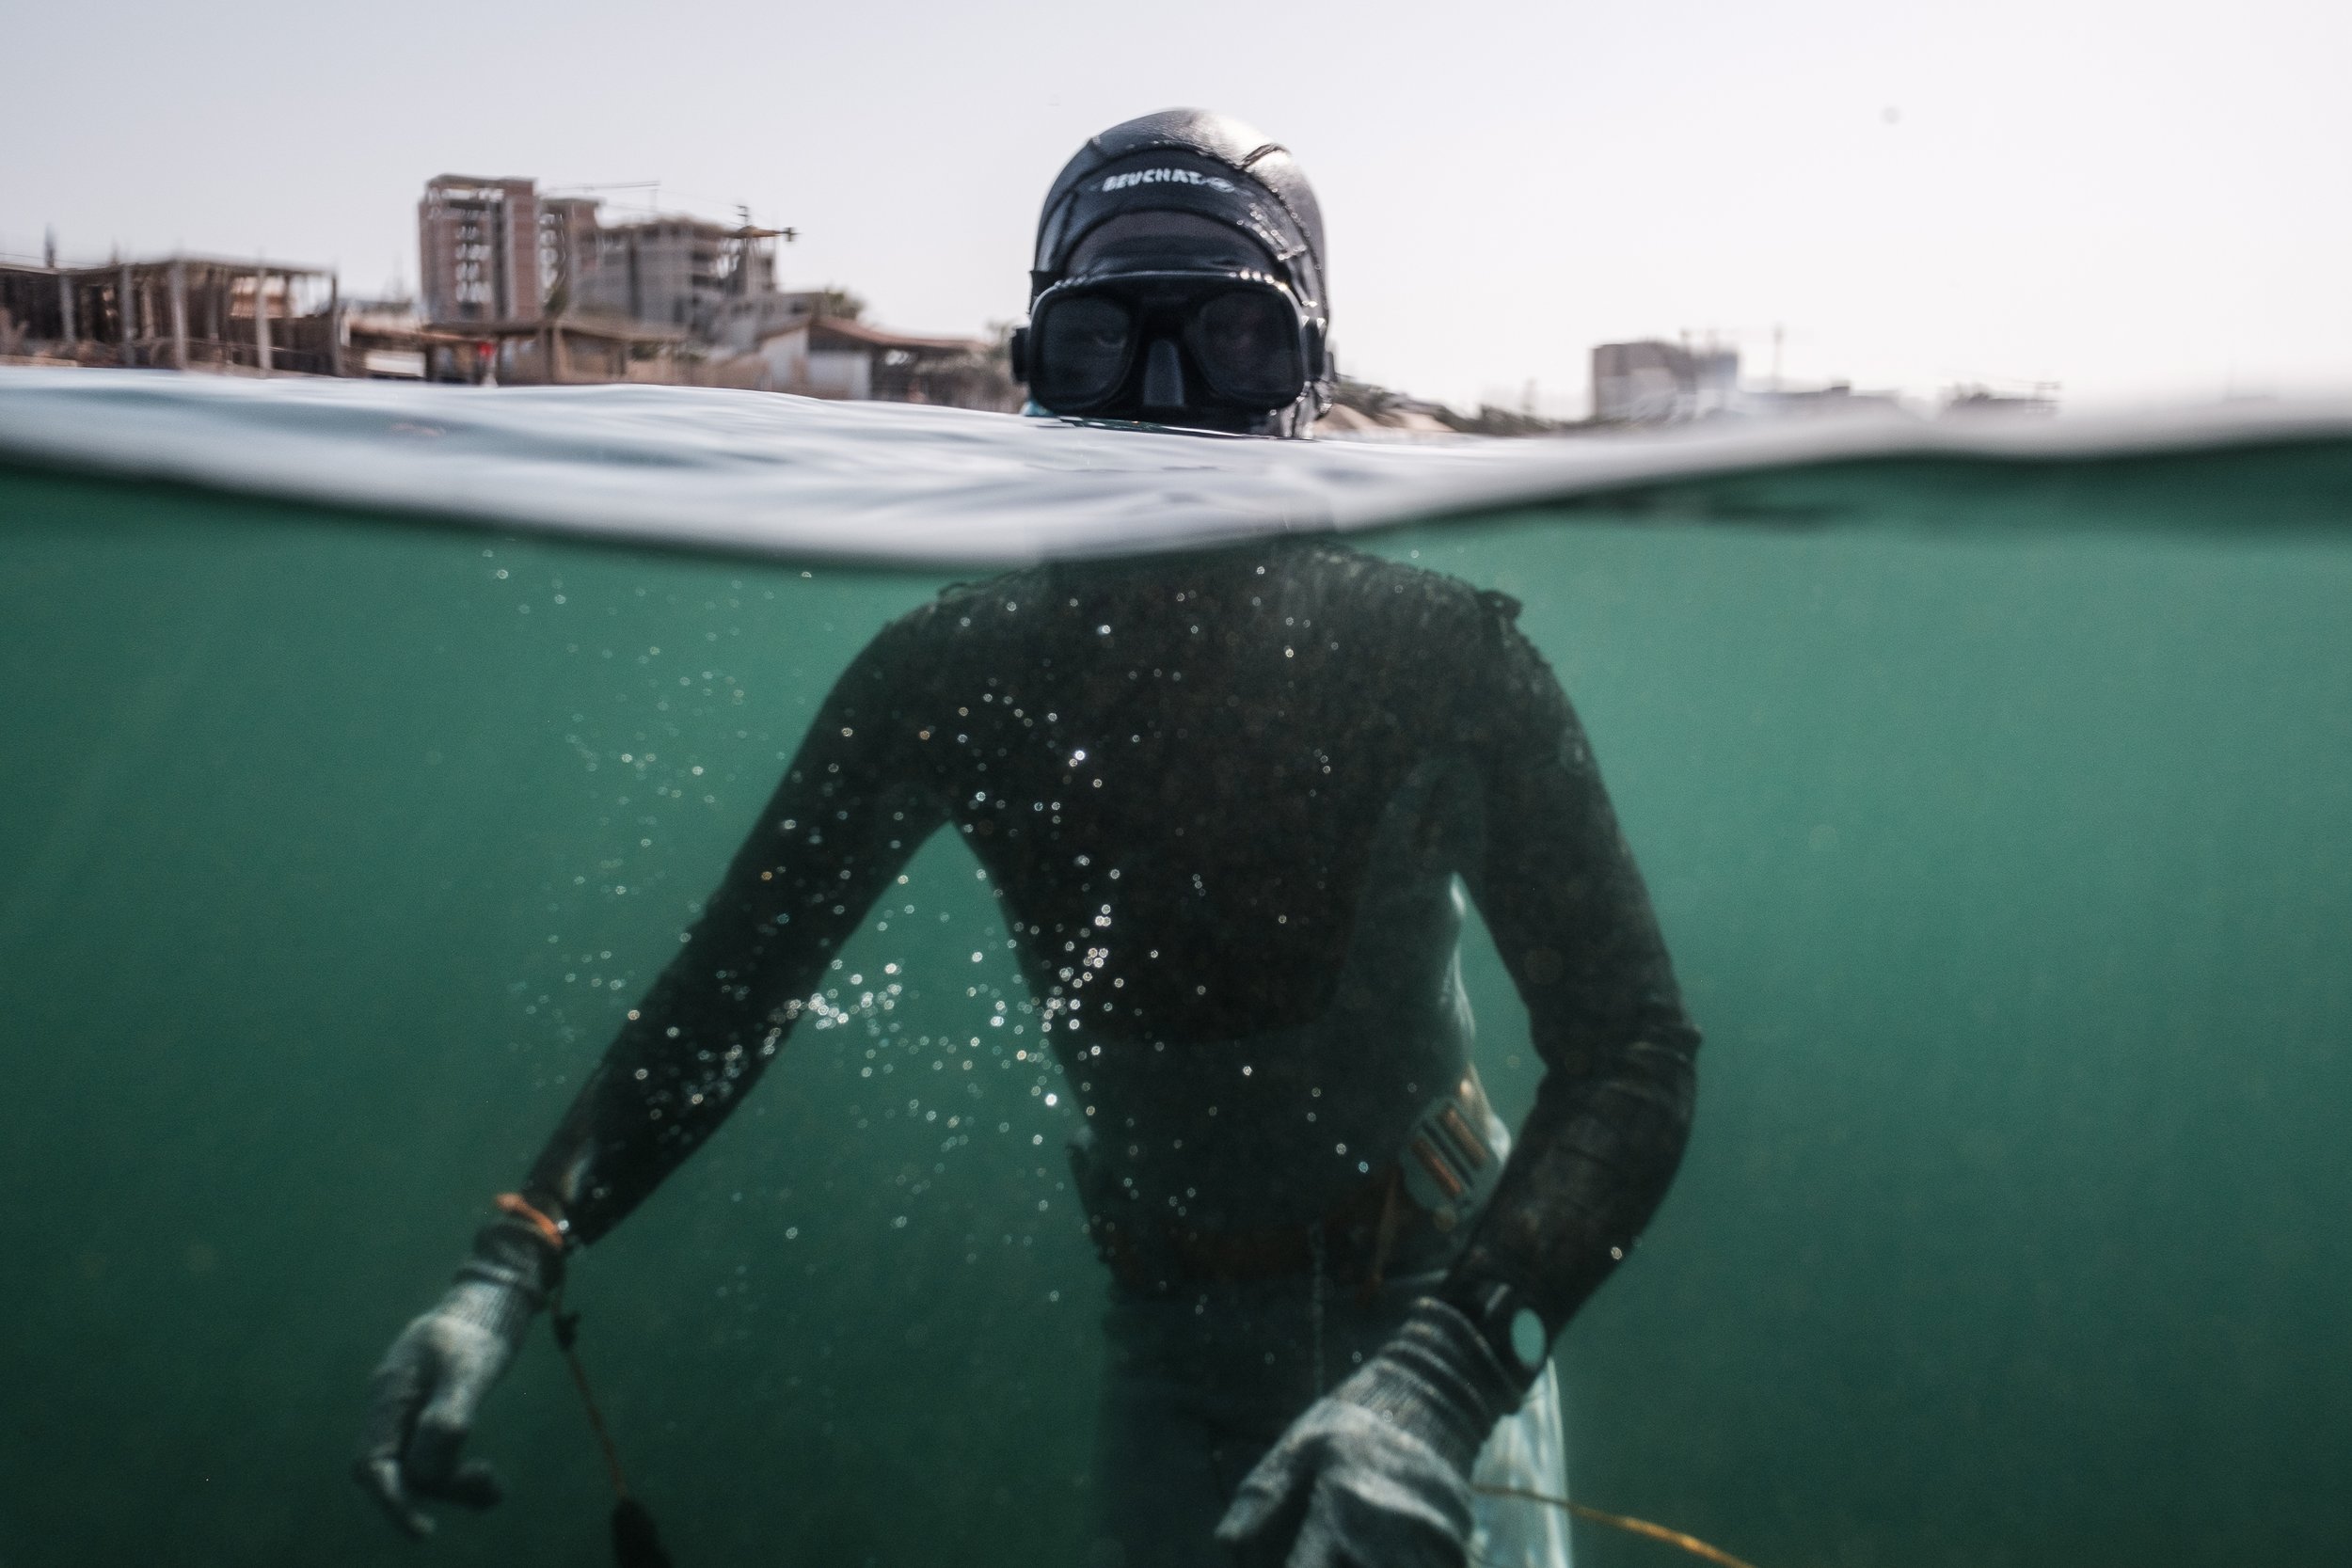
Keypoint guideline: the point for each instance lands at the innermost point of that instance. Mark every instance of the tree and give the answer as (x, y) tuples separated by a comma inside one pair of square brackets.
[(839, 302)]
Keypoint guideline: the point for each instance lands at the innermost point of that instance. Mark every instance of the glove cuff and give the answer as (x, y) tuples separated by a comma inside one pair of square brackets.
[(505, 1280), (1439, 1383)]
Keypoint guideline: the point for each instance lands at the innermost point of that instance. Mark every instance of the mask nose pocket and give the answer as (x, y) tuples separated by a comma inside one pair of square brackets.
[(1163, 377)]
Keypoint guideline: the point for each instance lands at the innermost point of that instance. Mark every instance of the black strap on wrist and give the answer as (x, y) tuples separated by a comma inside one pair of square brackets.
[(1505, 1318)]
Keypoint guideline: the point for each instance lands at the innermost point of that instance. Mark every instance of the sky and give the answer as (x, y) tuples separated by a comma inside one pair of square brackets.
[(2144, 203)]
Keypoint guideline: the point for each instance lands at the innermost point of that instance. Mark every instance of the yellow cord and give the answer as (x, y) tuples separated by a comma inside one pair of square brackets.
[(1625, 1522)]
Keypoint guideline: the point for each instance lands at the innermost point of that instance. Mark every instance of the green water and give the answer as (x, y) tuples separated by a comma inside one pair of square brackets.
[(2010, 878)]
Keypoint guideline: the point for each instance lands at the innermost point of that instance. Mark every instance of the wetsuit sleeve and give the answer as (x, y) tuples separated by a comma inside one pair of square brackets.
[(853, 807), (1559, 891)]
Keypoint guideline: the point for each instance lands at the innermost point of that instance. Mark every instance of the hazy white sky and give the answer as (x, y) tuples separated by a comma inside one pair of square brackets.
[(2140, 201)]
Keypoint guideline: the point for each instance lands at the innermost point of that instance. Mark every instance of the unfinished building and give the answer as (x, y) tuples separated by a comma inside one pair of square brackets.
[(497, 250), (530, 287), (478, 246), (666, 271), (182, 313)]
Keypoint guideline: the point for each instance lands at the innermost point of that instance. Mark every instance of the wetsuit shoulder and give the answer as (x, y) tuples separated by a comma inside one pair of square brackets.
[(906, 647), (1381, 574), (959, 596), (962, 609), (1418, 608)]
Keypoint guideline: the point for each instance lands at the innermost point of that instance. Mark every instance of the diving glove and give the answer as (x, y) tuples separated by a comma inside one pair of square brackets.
[(1376, 1473), (424, 1396)]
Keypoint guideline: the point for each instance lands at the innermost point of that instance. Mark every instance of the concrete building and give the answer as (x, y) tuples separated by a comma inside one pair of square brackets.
[(499, 250), (667, 271), (830, 356), (741, 323), (1652, 382), (525, 287), (518, 289), (1838, 397), (177, 312), (2039, 400), (478, 249)]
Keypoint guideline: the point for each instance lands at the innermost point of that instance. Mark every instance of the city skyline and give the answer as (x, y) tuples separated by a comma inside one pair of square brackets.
[(2133, 203)]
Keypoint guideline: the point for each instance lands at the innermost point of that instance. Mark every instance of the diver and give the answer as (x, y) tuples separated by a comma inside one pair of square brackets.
[(1230, 802)]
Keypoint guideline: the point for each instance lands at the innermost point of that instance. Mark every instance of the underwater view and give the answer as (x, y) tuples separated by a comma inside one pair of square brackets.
[(371, 757)]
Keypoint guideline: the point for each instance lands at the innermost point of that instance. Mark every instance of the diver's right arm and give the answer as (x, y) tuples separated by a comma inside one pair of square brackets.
[(422, 1399), (855, 805), (853, 808)]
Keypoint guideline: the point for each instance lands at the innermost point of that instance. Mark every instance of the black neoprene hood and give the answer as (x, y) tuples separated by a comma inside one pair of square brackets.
[(1187, 161)]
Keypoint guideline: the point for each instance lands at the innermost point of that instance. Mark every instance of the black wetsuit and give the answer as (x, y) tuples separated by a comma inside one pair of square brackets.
[(1224, 800)]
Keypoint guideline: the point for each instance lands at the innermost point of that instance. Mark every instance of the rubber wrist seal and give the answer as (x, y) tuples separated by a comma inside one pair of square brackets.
[(1506, 1319)]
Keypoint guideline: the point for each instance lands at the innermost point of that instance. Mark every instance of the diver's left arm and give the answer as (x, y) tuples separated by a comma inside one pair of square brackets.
[(1572, 921), (1377, 1472)]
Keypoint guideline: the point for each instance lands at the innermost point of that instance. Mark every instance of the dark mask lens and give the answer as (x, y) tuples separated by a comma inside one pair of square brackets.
[(1246, 341), (1083, 347)]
